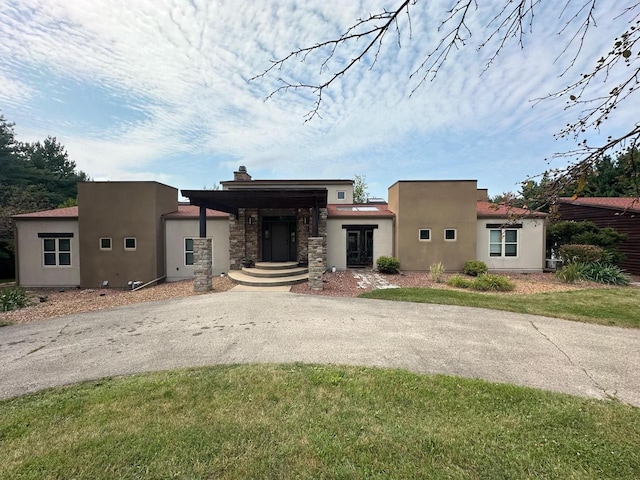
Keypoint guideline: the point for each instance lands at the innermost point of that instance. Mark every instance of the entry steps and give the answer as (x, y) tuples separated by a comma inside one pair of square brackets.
[(270, 274)]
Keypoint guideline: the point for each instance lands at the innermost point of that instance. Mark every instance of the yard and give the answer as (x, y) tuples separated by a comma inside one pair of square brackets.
[(310, 421)]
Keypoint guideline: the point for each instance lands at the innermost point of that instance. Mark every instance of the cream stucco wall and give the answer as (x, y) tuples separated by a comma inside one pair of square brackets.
[(531, 246), (29, 255), (337, 239), (176, 230)]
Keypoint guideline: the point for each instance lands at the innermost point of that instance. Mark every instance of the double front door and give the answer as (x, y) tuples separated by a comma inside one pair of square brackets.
[(359, 247)]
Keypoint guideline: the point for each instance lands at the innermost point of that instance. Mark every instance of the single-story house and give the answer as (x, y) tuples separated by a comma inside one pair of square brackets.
[(124, 232), (620, 213)]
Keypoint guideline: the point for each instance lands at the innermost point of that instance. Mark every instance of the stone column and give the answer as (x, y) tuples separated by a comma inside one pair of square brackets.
[(202, 264), (316, 264), (236, 240)]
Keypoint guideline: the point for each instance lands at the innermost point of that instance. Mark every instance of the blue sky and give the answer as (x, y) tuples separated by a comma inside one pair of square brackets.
[(160, 90)]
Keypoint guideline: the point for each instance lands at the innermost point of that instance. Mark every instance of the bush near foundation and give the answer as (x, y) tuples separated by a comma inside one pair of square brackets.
[(575, 253), (475, 268), (388, 264)]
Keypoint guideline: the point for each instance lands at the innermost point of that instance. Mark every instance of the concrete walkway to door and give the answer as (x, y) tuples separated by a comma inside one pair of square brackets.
[(246, 327)]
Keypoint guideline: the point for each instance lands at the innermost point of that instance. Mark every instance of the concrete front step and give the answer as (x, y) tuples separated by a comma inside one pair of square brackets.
[(269, 273), (276, 265), (242, 278)]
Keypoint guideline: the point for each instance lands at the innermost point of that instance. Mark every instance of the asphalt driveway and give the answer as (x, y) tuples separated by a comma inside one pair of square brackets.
[(247, 327)]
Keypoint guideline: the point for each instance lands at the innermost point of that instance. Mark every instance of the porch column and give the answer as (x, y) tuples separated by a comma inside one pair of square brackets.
[(316, 264), (203, 222), (202, 264)]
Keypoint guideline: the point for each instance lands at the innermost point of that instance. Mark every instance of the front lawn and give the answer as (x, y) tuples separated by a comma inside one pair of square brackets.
[(306, 421), (605, 306)]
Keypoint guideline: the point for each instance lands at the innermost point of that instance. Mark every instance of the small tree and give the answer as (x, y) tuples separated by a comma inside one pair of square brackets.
[(360, 189)]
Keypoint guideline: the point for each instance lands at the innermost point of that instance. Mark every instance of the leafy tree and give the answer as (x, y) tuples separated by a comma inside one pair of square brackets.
[(33, 177), (360, 189), (613, 79)]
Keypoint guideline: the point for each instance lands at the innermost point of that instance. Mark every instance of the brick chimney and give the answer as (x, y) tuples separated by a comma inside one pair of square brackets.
[(241, 175)]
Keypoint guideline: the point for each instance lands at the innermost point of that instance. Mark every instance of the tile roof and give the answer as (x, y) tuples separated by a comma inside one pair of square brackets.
[(489, 209), (68, 212), (618, 203), (193, 211), (184, 211), (360, 210)]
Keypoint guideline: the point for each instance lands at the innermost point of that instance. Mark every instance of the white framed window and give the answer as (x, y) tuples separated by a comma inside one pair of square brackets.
[(105, 243), (188, 251), (503, 242), (450, 235), (56, 252), (130, 243), (342, 194), (424, 234)]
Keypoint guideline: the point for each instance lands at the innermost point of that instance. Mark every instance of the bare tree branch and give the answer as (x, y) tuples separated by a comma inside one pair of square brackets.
[(511, 23)]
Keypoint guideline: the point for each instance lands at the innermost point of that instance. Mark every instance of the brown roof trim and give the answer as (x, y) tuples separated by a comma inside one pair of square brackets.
[(630, 204), (190, 212), (494, 210), (287, 182), (54, 214)]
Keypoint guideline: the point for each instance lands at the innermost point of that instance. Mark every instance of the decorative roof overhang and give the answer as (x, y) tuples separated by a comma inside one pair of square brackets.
[(230, 201)]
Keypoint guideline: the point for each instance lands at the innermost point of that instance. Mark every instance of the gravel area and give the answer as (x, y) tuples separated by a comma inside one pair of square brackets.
[(48, 303), (351, 284)]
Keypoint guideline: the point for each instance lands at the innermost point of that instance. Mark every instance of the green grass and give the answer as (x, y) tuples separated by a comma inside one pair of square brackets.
[(605, 306), (295, 421)]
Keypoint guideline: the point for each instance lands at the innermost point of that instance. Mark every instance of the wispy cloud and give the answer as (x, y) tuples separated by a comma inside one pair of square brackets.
[(138, 87)]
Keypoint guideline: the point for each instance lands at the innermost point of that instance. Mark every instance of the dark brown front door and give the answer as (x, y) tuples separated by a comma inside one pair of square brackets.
[(278, 239)]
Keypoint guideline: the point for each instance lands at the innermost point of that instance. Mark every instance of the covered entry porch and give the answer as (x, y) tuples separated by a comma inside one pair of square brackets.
[(269, 225)]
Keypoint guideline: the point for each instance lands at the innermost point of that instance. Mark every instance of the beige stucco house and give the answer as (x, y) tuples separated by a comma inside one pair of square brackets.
[(125, 232)]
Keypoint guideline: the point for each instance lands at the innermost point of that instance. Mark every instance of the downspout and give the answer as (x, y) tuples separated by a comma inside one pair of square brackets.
[(15, 253), (164, 245)]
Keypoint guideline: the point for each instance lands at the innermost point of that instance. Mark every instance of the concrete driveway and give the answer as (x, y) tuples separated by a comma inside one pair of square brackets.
[(247, 327)]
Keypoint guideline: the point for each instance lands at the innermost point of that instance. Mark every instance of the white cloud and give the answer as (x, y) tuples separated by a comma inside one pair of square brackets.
[(185, 66)]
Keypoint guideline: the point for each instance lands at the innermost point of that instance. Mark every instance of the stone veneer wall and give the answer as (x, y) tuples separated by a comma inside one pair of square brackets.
[(304, 232), (251, 236), (317, 249), (236, 240), (322, 232), (202, 264)]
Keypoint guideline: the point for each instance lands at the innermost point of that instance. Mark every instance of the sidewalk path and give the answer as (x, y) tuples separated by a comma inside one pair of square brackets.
[(243, 327)]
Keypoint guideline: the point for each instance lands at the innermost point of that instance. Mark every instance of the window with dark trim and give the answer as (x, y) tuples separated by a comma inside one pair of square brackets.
[(342, 194), (129, 243), (424, 234), (56, 252), (188, 251), (503, 242)]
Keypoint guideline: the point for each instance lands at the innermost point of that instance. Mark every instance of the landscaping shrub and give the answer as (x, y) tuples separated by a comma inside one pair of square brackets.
[(604, 273), (571, 272), (459, 281), (12, 298), (388, 264), (474, 268), (495, 283), (574, 253), (437, 270), (570, 232)]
